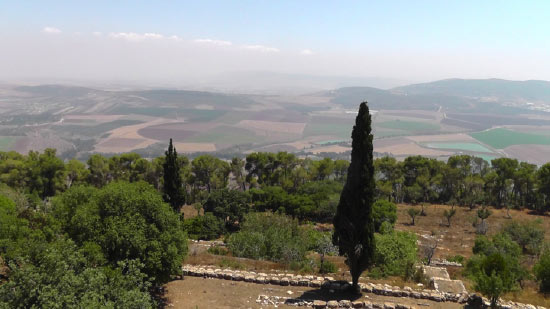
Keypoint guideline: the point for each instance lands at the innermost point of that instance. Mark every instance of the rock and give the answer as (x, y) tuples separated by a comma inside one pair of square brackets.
[(294, 282), (249, 278), (274, 280), (315, 283), (319, 304), (401, 306), (475, 301), (289, 292), (367, 304), (303, 282), (357, 304), (284, 281), (332, 304), (436, 297), (344, 303)]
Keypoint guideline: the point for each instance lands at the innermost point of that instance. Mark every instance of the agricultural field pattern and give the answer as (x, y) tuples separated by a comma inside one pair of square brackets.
[(486, 118)]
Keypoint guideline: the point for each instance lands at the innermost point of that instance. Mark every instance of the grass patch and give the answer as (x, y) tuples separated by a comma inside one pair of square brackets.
[(501, 138), (227, 135), (405, 125)]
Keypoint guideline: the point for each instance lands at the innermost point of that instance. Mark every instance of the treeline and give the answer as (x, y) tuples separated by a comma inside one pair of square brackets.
[(275, 181)]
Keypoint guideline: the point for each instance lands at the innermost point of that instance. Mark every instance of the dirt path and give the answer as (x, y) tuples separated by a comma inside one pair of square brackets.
[(197, 293)]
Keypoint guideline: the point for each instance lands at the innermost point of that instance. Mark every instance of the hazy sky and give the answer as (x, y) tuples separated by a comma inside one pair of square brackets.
[(190, 41)]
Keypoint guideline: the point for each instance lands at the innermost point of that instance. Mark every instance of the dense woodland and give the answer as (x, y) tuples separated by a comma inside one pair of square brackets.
[(111, 229)]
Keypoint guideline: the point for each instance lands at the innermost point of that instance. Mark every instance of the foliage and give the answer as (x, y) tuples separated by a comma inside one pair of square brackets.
[(494, 277), (542, 271), (272, 237), (327, 267), (529, 236), (383, 211), (228, 205), (395, 252), (217, 250), (205, 227), (59, 276), (173, 190), (353, 222), (449, 214), (413, 213), (128, 221), (495, 267)]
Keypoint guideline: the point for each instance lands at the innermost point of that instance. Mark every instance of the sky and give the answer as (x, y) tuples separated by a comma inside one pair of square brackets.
[(194, 42)]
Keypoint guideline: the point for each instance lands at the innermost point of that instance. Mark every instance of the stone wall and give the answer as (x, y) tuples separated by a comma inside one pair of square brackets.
[(330, 285)]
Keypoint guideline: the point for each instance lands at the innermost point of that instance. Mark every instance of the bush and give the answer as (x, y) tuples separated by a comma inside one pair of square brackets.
[(495, 267), (529, 236), (205, 227), (383, 211), (542, 271), (218, 250), (394, 253), (456, 259), (327, 267), (57, 275), (129, 221), (271, 236)]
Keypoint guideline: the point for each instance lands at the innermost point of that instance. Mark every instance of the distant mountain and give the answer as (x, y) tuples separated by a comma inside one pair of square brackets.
[(455, 95), (530, 90)]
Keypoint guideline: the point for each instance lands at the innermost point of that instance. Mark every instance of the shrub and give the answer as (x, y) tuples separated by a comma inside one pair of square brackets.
[(456, 259), (218, 250), (495, 267), (271, 236), (205, 227), (383, 211), (394, 253), (542, 271), (327, 267), (529, 236)]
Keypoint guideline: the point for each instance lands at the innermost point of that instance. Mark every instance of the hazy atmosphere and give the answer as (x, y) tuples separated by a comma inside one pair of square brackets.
[(226, 44)]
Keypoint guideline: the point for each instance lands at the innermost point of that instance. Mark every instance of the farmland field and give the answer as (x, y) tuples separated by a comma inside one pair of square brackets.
[(459, 146), (410, 126), (501, 138), (7, 142)]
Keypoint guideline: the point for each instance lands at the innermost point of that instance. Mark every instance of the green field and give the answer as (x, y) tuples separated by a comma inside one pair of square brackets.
[(227, 135), (411, 126), (7, 143), (459, 146), (339, 130), (501, 138)]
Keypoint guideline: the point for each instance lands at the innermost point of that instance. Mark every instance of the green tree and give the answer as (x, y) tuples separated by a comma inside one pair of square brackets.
[(542, 271), (127, 221), (449, 214), (353, 223), (173, 189), (58, 275), (205, 227), (228, 205), (494, 277), (383, 211), (395, 251), (413, 213)]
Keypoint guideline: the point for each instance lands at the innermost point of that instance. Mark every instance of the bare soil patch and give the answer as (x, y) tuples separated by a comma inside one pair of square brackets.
[(194, 292), (537, 154), (195, 147)]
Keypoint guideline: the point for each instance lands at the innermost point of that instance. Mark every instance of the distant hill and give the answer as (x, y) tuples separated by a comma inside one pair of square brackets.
[(458, 95), (530, 90)]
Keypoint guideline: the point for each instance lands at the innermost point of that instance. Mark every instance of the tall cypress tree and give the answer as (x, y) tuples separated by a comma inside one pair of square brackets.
[(172, 180), (353, 223)]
